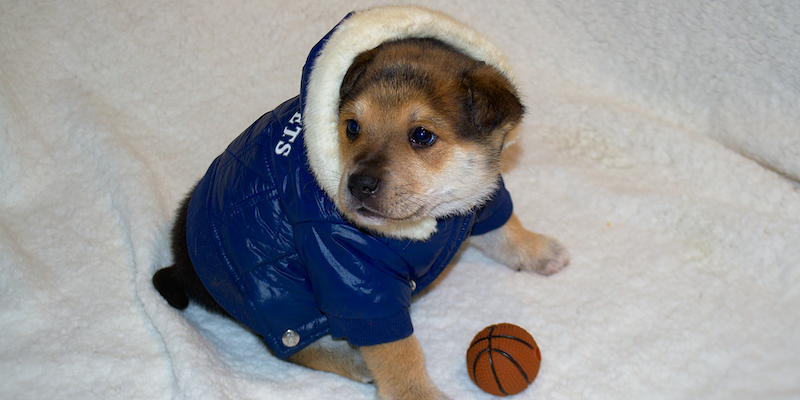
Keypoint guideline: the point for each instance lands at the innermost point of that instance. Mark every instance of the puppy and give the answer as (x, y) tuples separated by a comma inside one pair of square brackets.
[(420, 130)]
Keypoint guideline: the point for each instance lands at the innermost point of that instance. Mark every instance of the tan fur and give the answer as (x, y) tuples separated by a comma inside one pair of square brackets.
[(335, 356), (522, 250), (419, 183), (470, 107), (397, 368), (361, 32), (399, 371)]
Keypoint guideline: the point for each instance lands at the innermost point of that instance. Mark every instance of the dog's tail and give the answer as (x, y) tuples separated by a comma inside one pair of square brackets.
[(170, 288)]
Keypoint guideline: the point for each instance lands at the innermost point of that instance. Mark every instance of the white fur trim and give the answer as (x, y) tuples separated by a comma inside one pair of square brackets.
[(361, 32)]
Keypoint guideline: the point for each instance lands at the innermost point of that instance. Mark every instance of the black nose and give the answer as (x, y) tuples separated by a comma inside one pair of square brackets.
[(363, 187)]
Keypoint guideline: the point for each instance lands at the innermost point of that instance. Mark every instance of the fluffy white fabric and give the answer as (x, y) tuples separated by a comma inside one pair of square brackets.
[(660, 147)]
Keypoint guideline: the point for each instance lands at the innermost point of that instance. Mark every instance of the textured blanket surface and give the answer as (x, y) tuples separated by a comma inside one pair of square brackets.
[(661, 146)]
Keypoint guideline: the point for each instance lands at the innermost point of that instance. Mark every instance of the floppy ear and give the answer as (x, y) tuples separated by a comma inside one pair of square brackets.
[(355, 71), (492, 100)]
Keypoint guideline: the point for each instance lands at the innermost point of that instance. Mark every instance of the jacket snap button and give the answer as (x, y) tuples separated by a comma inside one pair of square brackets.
[(290, 338), (413, 285)]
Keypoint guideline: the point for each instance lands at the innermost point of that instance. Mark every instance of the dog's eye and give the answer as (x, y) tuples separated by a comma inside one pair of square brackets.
[(421, 137), (352, 129)]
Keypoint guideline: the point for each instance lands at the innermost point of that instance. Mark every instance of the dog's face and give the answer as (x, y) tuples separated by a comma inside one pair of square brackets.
[(421, 128)]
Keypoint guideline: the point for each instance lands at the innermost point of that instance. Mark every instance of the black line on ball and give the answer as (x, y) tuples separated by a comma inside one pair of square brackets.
[(491, 350), (475, 363), (530, 346), (519, 367), (491, 363)]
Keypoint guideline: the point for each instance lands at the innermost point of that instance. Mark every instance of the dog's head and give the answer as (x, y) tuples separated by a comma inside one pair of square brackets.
[(421, 128)]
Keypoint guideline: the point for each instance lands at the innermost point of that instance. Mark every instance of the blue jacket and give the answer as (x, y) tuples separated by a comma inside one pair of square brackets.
[(270, 246)]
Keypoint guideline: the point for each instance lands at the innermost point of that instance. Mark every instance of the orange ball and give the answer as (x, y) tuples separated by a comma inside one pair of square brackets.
[(503, 359)]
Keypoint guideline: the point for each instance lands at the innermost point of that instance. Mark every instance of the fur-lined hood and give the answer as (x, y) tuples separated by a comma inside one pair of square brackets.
[(329, 61)]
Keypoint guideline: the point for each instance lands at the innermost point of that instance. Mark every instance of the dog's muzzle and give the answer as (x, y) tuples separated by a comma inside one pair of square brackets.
[(363, 186)]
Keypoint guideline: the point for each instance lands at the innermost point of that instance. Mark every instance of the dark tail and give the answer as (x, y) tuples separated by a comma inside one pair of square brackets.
[(170, 289), (179, 282)]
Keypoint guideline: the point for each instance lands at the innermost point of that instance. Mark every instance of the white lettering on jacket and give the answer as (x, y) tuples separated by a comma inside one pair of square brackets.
[(290, 133)]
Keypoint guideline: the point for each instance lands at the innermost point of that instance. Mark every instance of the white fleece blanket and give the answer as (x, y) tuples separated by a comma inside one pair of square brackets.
[(661, 146)]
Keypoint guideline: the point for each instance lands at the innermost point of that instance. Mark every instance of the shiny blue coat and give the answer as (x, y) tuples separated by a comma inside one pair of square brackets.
[(273, 250)]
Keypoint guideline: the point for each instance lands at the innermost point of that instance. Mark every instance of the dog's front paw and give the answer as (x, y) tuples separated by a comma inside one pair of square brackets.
[(414, 394), (546, 258), (523, 250), (442, 396), (399, 371)]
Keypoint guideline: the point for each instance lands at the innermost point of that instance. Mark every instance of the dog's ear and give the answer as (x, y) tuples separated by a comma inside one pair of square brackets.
[(492, 100), (357, 68)]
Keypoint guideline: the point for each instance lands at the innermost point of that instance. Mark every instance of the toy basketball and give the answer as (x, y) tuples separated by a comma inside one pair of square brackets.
[(503, 359)]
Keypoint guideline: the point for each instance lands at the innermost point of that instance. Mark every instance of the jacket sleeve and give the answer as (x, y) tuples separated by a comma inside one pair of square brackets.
[(360, 284), (495, 213)]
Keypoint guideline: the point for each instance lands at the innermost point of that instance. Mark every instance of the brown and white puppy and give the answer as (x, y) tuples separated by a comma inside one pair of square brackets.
[(421, 129), (406, 116)]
